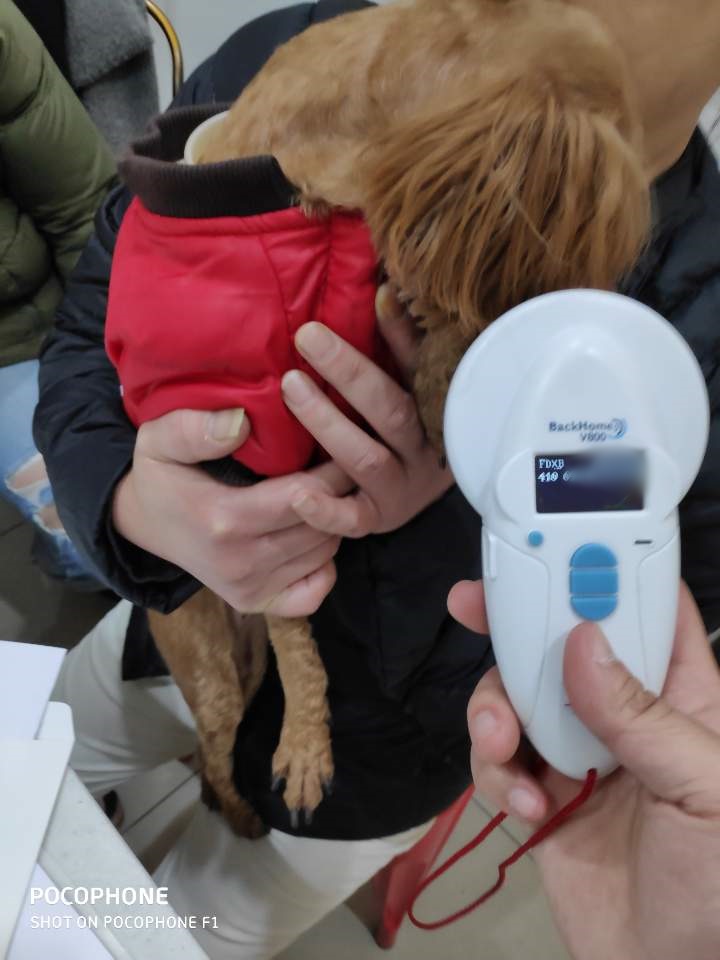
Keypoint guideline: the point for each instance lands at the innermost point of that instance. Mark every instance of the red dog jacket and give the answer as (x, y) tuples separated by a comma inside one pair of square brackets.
[(213, 273)]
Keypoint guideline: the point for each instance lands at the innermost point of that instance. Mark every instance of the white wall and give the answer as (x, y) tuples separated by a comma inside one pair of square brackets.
[(202, 26)]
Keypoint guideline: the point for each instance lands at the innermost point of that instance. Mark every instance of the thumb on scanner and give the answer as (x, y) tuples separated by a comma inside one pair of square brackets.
[(672, 754)]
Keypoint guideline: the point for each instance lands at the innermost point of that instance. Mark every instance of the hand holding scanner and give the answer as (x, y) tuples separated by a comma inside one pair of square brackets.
[(575, 424)]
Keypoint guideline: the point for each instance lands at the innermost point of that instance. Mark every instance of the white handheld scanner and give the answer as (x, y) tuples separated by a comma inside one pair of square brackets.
[(575, 424)]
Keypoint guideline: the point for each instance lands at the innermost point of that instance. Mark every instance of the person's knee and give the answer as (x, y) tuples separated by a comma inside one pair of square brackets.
[(30, 485), (28, 475), (48, 518)]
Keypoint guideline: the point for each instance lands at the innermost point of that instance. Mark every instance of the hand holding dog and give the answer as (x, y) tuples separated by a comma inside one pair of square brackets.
[(269, 547), (245, 543), (634, 873), (398, 474)]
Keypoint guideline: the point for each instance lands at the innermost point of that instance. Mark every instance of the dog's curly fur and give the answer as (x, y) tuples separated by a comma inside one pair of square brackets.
[(494, 150)]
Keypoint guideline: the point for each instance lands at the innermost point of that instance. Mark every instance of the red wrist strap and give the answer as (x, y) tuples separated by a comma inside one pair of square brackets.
[(553, 823)]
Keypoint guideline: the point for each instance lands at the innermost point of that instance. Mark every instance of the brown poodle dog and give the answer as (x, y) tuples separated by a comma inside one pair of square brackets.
[(493, 149)]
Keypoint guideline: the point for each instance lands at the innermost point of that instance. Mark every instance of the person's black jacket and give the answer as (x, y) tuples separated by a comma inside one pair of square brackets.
[(401, 671)]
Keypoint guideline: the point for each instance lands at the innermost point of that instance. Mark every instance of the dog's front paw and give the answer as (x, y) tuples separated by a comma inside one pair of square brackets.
[(304, 761)]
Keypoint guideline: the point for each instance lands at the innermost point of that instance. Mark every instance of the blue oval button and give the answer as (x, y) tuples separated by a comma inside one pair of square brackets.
[(594, 608), (593, 555), (535, 538), (593, 582)]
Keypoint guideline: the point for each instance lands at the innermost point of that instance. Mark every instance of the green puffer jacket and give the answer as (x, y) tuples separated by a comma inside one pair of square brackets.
[(54, 171)]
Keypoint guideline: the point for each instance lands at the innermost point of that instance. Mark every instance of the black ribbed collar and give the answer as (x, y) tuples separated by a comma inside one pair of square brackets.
[(234, 188)]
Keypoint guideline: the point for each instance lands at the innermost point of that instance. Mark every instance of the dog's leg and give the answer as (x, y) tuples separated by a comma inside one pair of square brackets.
[(304, 755), (196, 642), (250, 651)]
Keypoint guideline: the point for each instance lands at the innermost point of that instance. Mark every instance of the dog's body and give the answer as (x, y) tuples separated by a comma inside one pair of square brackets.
[(492, 148)]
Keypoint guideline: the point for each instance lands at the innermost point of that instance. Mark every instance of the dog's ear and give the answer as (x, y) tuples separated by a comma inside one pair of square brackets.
[(520, 187)]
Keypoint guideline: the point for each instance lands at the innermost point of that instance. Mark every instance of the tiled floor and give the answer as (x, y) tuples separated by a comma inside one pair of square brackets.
[(157, 805)]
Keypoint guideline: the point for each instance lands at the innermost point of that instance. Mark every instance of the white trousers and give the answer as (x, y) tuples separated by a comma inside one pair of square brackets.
[(265, 892)]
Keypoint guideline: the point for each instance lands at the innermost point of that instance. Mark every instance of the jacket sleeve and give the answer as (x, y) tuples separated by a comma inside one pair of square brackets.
[(700, 510), (56, 166), (82, 431), (685, 288)]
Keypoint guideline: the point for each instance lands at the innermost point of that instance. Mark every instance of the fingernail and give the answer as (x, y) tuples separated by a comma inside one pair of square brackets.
[(483, 725), (295, 387), (523, 803), (305, 504), (315, 341), (225, 425), (602, 651)]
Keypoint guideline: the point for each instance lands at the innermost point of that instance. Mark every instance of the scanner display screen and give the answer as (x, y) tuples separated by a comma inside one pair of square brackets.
[(593, 482)]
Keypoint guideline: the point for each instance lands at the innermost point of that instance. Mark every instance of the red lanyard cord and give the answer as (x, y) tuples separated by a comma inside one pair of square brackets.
[(553, 823)]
